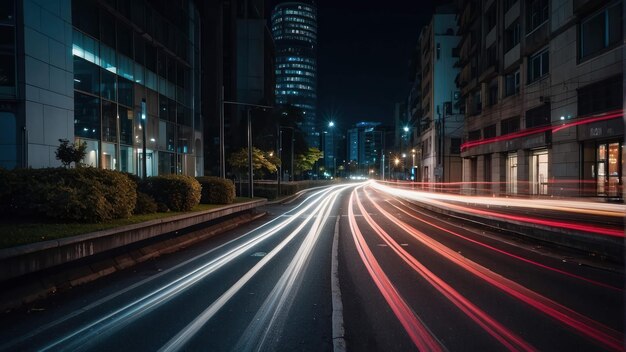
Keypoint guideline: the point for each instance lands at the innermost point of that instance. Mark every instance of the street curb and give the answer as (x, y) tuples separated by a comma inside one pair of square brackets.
[(43, 284), (26, 259)]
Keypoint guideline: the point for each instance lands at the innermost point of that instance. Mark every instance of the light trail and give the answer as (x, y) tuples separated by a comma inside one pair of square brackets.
[(260, 335), (606, 336), (415, 328), (132, 311), (188, 332), (433, 199), (503, 335), (508, 254), (582, 207), (556, 128)]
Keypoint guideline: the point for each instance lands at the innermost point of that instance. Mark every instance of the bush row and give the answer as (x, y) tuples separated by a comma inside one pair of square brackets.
[(95, 195)]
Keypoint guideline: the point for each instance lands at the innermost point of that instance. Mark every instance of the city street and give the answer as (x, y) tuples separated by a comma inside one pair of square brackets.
[(398, 278)]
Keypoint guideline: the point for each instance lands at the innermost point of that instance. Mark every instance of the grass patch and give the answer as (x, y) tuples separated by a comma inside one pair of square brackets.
[(24, 232)]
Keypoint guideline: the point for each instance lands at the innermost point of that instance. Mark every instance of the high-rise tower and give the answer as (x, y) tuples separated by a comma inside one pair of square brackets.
[(294, 27)]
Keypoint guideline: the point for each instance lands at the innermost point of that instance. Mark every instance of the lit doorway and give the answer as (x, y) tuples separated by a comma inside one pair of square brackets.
[(511, 173), (539, 172), (609, 169)]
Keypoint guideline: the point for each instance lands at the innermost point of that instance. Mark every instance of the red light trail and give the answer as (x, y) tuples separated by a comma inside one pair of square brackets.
[(583, 120)]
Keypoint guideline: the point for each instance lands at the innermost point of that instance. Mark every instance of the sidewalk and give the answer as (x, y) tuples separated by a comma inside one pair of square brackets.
[(36, 270)]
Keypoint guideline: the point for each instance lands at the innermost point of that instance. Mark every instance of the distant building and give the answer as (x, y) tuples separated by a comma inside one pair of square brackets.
[(294, 28), (240, 59), (433, 102), (365, 148), (117, 76), (542, 83)]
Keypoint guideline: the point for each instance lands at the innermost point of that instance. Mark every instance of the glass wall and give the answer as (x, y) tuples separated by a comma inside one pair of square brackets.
[(511, 173), (115, 69)]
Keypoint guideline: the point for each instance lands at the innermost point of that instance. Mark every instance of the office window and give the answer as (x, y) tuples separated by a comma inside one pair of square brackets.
[(86, 76), (600, 97), (85, 17), (509, 125), (125, 91), (539, 116), (7, 49), (473, 135), (601, 30), (86, 116), (511, 83), (108, 88), (126, 125), (489, 131), (107, 28), (124, 39), (109, 121), (490, 17), (493, 92), (438, 51), (511, 36), (538, 65), (537, 12)]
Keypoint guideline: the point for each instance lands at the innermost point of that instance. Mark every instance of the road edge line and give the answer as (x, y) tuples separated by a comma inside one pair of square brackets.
[(338, 333)]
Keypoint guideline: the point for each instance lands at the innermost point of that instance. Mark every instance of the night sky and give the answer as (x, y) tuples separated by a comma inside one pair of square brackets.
[(363, 51)]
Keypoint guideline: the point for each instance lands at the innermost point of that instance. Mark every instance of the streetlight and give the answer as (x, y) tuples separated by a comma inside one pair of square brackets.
[(144, 164), (406, 128), (222, 153), (331, 124)]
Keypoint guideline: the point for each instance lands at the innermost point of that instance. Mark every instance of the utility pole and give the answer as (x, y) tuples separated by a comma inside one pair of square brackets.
[(144, 164), (250, 169), (222, 151)]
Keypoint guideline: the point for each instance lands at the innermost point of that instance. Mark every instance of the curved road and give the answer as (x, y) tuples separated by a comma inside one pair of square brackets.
[(408, 280)]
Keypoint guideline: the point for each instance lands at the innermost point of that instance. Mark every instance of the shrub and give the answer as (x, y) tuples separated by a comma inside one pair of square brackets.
[(83, 194), (176, 192), (145, 204), (216, 190)]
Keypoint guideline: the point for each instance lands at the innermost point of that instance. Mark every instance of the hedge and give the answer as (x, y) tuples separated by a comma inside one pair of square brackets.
[(173, 192), (216, 190), (80, 194)]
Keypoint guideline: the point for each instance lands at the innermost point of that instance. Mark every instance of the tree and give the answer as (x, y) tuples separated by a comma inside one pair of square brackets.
[(261, 161), (306, 161), (71, 153)]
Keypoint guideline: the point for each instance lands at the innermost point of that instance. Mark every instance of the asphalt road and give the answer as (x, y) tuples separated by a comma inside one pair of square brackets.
[(409, 280)]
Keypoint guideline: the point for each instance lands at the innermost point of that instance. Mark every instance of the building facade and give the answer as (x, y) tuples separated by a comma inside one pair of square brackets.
[(437, 116), (119, 77), (365, 149), (294, 28), (542, 83), (240, 64)]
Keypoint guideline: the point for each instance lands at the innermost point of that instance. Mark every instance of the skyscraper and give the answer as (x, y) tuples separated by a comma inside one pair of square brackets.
[(294, 28)]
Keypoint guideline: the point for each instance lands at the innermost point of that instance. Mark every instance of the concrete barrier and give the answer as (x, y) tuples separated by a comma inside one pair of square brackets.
[(26, 259)]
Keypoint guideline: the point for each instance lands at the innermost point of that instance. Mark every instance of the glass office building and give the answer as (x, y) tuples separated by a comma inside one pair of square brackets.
[(120, 76), (294, 28)]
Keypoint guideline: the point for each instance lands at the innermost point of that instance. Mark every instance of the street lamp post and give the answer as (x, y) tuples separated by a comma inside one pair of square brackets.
[(144, 163), (222, 153)]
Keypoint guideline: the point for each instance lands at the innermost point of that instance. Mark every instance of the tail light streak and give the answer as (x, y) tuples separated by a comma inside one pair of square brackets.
[(543, 266), (415, 328), (610, 338), (506, 337)]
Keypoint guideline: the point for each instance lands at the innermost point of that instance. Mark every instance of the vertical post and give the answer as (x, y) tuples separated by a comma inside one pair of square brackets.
[(382, 164), (222, 152), (443, 143), (250, 171), (293, 171), (144, 165), (280, 157)]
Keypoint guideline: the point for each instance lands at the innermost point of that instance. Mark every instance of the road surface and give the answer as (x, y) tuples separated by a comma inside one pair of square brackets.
[(398, 278)]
